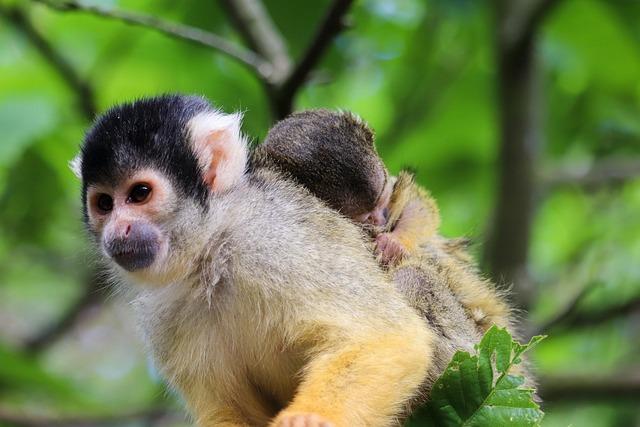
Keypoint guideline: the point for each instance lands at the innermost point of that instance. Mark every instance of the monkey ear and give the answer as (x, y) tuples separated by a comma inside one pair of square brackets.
[(220, 147), (75, 165)]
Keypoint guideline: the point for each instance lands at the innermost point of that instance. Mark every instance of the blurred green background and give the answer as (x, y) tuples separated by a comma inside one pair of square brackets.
[(522, 117)]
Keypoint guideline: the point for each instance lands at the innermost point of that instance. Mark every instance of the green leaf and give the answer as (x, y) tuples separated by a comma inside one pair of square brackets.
[(478, 390)]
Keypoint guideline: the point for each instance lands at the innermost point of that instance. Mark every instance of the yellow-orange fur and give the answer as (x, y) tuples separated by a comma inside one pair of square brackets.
[(414, 220)]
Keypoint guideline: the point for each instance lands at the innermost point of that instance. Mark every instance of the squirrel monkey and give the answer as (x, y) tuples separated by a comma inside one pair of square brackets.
[(259, 304), (333, 155)]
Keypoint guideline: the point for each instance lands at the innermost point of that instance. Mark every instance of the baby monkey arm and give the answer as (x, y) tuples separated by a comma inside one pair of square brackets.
[(413, 220)]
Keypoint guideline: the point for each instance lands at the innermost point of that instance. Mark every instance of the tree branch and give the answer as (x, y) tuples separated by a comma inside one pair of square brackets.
[(332, 24), (93, 294), (524, 20), (535, 18), (619, 388), (254, 23), (85, 96), (271, 63), (84, 92), (520, 109), (150, 416), (573, 318), (568, 312), (195, 35), (612, 312), (603, 172), (520, 104)]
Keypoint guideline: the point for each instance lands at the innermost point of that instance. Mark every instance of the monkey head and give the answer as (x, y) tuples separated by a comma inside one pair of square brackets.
[(150, 171), (333, 155)]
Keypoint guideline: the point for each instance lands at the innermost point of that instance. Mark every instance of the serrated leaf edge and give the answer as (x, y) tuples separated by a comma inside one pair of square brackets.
[(522, 349)]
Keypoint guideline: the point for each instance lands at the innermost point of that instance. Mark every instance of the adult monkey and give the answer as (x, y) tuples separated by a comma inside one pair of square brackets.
[(259, 303)]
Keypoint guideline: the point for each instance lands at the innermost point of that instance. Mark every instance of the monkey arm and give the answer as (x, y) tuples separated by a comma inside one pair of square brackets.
[(364, 381), (210, 412), (212, 406), (413, 220)]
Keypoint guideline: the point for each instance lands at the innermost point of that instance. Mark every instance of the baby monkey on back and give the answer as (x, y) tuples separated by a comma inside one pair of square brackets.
[(333, 155)]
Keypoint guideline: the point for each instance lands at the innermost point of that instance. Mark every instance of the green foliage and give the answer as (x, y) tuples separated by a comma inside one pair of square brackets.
[(478, 390), (422, 73), (21, 375)]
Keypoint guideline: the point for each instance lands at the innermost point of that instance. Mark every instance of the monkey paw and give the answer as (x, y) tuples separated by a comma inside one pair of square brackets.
[(389, 249), (301, 420)]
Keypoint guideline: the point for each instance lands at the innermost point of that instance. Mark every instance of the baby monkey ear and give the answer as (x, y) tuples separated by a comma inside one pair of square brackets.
[(75, 165), (220, 147)]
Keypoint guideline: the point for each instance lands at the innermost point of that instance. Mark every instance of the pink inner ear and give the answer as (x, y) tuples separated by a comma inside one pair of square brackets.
[(210, 177), (221, 150), (215, 141)]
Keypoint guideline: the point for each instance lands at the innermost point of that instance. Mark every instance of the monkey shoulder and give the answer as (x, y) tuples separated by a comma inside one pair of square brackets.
[(298, 213), (287, 234)]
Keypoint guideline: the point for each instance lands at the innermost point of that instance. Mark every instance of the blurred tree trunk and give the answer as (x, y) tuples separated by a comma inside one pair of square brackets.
[(519, 97)]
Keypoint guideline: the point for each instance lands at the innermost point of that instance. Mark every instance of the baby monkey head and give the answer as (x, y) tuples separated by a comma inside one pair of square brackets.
[(334, 156), (150, 171)]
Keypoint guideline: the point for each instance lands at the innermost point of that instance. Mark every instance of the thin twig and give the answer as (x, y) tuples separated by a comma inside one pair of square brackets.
[(332, 24), (84, 92), (536, 17), (256, 26), (625, 388), (580, 319), (93, 294), (632, 306), (252, 20), (523, 21), (569, 311), (602, 172), (180, 31)]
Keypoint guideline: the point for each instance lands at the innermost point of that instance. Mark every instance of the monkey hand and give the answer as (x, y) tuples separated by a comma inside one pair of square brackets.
[(300, 420), (389, 250)]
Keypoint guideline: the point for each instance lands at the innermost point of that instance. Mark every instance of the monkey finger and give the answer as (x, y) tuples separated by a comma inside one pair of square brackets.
[(381, 242), (393, 252)]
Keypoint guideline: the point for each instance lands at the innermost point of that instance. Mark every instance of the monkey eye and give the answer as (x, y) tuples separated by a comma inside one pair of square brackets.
[(139, 193), (105, 203)]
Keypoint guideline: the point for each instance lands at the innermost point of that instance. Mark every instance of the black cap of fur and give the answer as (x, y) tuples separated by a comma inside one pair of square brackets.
[(330, 153), (148, 133)]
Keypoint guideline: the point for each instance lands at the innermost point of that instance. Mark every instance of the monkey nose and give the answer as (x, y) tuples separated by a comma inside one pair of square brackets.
[(379, 217), (122, 230)]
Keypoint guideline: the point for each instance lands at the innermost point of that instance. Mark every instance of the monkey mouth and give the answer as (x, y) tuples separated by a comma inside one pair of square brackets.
[(134, 260), (133, 257), (136, 252)]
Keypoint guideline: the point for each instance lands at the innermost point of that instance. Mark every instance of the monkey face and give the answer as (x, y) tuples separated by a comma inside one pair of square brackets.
[(150, 171), (128, 220), (377, 215)]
